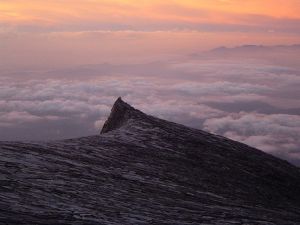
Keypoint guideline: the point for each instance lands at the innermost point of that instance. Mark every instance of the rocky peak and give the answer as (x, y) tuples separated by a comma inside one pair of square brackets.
[(120, 113), (140, 171)]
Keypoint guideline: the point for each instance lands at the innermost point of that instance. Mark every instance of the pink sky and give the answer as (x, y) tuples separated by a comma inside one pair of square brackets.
[(43, 33)]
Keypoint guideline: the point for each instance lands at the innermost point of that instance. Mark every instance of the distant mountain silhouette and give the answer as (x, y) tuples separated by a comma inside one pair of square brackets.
[(254, 51), (144, 170), (256, 48)]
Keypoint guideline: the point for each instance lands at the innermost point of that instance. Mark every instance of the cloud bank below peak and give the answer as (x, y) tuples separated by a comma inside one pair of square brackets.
[(252, 101)]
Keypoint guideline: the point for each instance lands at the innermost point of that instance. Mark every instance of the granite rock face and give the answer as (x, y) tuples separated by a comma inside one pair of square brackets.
[(120, 113), (144, 170)]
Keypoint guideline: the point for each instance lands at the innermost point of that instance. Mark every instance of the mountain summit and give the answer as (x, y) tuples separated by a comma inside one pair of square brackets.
[(120, 113), (144, 170)]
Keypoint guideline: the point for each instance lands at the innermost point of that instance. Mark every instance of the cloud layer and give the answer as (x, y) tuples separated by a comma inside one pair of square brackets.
[(250, 101)]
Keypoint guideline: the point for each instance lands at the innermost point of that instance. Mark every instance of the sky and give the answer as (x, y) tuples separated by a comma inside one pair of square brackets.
[(226, 66), (62, 32), (146, 15)]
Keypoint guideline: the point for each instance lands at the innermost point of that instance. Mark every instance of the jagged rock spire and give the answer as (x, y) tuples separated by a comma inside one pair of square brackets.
[(120, 113)]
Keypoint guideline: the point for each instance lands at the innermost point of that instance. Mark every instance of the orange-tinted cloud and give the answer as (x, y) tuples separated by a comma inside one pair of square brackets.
[(127, 14)]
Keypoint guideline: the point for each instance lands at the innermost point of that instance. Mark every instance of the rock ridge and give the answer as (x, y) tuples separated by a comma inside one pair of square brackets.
[(120, 113)]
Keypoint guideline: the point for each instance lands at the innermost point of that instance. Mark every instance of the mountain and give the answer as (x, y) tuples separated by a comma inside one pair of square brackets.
[(262, 52), (256, 48), (280, 55), (144, 170)]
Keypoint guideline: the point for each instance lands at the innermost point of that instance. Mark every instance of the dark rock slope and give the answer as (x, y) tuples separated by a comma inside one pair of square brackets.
[(143, 170)]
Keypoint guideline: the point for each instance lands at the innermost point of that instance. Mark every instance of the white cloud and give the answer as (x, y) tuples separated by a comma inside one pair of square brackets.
[(276, 134), (220, 88), (77, 101)]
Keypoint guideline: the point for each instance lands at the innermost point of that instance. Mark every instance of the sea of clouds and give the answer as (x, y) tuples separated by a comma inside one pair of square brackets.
[(249, 100)]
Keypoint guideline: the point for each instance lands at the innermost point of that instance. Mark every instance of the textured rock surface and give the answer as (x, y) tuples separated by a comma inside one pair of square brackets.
[(143, 170)]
